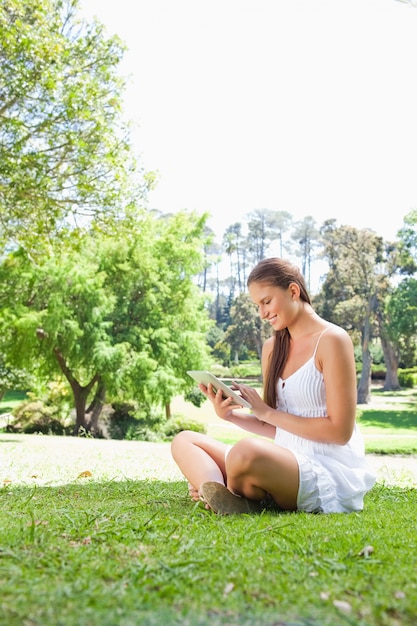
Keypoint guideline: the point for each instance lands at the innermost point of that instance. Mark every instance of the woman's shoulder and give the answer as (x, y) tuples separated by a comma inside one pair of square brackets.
[(268, 345), (335, 336), (335, 332)]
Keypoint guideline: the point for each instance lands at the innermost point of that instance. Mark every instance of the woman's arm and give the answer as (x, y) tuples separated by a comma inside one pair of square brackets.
[(247, 421), (227, 411), (335, 359)]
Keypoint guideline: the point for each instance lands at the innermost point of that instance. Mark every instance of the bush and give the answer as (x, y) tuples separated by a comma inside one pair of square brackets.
[(408, 377), (195, 396), (177, 423), (127, 420), (247, 370), (33, 416), (220, 371)]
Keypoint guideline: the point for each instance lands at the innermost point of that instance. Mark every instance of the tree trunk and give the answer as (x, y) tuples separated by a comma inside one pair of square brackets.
[(80, 393), (364, 387), (80, 398), (168, 410), (391, 382), (95, 409)]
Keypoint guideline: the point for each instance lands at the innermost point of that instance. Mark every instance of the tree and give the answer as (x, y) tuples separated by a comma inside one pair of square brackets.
[(352, 286), (400, 329), (120, 317), (246, 328), (408, 242), (64, 149), (306, 234), (266, 227), (232, 239), (397, 304)]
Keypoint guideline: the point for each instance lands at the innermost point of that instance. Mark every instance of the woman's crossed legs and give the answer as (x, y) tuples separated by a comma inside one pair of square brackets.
[(252, 468)]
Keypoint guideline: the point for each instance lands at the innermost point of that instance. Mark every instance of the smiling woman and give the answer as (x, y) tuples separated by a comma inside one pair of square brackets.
[(317, 461)]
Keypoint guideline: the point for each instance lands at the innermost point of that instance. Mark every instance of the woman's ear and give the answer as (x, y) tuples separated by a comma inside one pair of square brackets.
[(295, 291)]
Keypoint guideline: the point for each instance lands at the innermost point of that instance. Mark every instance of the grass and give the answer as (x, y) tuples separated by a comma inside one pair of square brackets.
[(10, 400), (388, 422), (102, 533)]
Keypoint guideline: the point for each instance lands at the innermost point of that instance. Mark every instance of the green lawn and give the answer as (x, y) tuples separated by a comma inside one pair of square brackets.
[(10, 400), (388, 422), (102, 533)]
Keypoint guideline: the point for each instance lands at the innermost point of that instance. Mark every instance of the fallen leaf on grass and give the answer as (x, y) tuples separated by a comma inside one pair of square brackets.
[(229, 587), (7, 481), (342, 606), (366, 551), (86, 474), (76, 544)]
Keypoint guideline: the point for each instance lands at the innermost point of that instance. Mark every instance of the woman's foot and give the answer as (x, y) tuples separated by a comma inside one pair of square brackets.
[(224, 502)]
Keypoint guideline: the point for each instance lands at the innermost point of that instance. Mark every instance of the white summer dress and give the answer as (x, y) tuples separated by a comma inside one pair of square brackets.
[(333, 478)]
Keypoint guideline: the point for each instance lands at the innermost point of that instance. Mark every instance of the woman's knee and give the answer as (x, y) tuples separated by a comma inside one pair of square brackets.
[(243, 455), (186, 438)]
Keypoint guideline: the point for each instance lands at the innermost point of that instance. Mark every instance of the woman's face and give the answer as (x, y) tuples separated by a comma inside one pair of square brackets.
[(277, 305)]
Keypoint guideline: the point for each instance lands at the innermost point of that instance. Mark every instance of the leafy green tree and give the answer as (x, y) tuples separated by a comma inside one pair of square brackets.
[(306, 235), (266, 227), (352, 287), (64, 150), (246, 328), (408, 239), (160, 310), (119, 318), (401, 327), (12, 378), (232, 244)]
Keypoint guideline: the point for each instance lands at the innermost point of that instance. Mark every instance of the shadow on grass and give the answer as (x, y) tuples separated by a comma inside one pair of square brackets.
[(14, 441), (385, 418), (393, 396)]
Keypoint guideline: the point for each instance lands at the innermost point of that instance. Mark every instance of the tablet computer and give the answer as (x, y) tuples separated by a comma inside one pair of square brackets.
[(206, 378)]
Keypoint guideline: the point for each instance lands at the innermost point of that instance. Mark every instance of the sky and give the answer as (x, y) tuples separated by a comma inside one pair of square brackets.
[(305, 106)]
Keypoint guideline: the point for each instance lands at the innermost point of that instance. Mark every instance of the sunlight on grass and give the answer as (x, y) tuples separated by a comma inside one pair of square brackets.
[(100, 553)]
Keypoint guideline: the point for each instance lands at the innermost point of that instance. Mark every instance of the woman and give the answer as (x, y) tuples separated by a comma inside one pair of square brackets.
[(317, 461)]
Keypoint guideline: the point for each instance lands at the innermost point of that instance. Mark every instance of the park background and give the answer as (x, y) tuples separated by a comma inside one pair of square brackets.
[(112, 288)]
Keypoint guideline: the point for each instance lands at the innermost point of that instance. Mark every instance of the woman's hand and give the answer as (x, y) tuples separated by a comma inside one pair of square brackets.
[(223, 406), (259, 407)]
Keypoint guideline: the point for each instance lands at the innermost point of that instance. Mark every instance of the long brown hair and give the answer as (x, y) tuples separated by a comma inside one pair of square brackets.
[(279, 273)]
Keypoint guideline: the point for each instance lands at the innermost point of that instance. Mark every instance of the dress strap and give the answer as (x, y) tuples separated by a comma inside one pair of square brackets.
[(318, 341)]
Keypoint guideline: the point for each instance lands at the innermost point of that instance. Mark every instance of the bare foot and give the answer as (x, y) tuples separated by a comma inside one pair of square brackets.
[(195, 495)]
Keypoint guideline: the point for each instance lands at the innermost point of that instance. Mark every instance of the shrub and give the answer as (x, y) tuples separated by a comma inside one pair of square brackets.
[(127, 420), (408, 377), (177, 423), (33, 416), (247, 370), (195, 396)]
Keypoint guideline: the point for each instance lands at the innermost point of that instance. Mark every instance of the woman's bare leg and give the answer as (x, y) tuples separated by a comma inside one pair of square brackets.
[(256, 467), (200, 458)]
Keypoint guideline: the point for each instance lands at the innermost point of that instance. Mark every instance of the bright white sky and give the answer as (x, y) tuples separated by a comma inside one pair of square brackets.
[(307, 106)]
